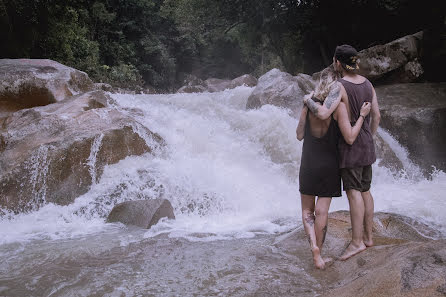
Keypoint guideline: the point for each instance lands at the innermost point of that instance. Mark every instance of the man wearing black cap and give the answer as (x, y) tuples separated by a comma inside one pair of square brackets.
[(355, 159)]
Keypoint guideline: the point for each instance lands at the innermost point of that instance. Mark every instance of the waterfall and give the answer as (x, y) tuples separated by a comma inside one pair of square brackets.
[(409, 168), (38, 166), (91, 161), (227, 171)]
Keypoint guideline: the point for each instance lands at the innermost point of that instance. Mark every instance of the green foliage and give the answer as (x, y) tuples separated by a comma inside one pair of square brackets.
[(67, 41), (124, 76), (132, 43)]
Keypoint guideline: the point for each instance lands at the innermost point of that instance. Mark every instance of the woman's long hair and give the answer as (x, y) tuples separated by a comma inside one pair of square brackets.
[(327, 79)]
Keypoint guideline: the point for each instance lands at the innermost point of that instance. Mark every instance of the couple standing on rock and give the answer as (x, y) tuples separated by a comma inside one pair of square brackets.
[(338, 143)]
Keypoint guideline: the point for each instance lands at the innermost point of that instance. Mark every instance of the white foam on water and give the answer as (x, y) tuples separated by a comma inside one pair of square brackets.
[(38, 166), (91, 161), (409, 168), (228, 172)]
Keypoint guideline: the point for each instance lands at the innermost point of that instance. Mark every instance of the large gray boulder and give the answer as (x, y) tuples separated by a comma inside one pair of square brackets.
[(141, 213), (26, 83), (281, 89), (415, 114), (54, 153), (396, 61)]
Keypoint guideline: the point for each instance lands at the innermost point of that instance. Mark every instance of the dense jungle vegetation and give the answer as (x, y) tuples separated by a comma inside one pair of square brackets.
[(136, 43)]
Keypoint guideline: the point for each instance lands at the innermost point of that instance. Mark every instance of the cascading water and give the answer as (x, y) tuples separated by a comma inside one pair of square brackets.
[(38, 166), (92, 158), (228, 172)]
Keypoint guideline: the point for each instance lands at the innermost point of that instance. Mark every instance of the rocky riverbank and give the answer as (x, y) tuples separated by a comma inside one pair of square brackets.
[(59, 133)]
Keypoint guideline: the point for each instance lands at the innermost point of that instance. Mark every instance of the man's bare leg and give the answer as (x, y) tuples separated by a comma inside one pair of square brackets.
[(357, 218), (368, 218), (308, 220)]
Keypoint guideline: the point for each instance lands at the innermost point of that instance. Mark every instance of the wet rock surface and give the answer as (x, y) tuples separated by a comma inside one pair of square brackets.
[(405, 261), (281, 89), (403, 248), (27, 83), (415, 114), (141, 213), (54, 153)]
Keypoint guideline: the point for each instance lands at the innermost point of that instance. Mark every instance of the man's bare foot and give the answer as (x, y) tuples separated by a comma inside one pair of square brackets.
[(368, 242), (352, 250), (317, 259)]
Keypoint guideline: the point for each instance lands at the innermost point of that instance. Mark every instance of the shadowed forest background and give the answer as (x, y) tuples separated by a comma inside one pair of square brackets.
[(157, 43)]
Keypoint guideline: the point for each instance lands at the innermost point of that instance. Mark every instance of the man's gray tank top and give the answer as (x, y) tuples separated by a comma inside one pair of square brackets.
[(362, 151)]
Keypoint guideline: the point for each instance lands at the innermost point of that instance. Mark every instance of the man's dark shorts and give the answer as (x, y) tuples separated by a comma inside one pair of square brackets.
[(358, 178)]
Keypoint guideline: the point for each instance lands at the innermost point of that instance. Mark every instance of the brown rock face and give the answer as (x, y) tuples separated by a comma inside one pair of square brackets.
[(405, 260), (415, 114), (281, 89), (54, 153), (141, 213), (32, 82)]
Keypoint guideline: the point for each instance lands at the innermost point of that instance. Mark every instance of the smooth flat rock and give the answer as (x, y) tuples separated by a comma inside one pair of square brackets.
[(408, 259)]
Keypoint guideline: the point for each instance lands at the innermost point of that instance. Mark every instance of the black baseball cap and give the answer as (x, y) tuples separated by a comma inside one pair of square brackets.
[(348, 56)]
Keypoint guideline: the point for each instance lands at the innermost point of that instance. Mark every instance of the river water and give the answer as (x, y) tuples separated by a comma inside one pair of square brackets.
[(231, 175)]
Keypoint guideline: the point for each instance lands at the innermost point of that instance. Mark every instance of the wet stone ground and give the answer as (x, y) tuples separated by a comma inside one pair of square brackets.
[(408, 259), (158, 266)]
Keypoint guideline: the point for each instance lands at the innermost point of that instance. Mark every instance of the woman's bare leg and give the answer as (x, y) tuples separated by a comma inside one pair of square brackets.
[(321, 222), (308, 220)]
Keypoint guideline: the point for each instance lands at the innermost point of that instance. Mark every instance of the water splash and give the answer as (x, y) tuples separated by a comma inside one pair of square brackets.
[(38, 165), (154, 145), (227, 171), (91, 161), (410, 169)]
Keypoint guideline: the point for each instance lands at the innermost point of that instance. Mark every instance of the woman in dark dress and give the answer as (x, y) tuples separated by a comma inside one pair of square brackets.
[(319, 170)]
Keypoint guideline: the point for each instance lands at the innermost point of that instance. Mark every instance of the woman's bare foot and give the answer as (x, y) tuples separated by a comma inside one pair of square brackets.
[(317, 259), (352, 250)]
